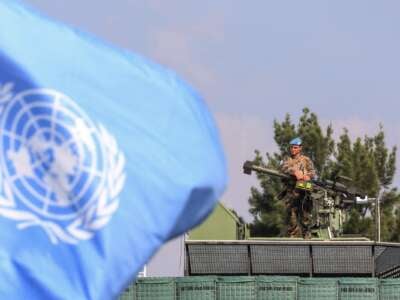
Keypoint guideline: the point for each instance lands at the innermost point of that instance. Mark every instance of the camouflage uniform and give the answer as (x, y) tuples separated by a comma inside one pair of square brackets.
[(297, 207)]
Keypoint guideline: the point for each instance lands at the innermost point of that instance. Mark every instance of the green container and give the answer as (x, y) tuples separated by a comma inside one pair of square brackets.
[(155, 288), (236, 288), (276, 287), (358, 288), (318, 288), (129, 293), (389, 289), (196, 288)]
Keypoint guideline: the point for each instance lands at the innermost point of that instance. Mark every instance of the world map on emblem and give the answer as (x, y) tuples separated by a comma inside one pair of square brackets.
[(54, 163), (59, 170)]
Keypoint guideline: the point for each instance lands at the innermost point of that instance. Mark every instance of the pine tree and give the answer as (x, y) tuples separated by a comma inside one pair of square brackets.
[(372, 167)]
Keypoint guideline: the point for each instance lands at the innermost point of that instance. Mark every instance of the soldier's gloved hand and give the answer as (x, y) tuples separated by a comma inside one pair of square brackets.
[(299, 175)]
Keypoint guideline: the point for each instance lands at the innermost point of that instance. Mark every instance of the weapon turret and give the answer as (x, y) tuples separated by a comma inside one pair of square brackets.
[(330, 199), (336, 186)]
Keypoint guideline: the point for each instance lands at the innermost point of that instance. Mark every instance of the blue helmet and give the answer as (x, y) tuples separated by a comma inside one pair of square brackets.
[(296, 141)]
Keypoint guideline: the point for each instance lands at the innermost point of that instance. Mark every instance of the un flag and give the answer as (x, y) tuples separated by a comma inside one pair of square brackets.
[(103, 157)]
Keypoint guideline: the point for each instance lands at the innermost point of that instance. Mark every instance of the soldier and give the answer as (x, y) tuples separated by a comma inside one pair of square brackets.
[(298, 208)]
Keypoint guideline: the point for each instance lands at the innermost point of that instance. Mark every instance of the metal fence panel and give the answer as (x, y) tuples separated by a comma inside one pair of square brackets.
[(218, 259), (387, 261), (280, 259), (342, 259)]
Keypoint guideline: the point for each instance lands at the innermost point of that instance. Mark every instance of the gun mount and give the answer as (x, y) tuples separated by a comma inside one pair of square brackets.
[(332, 254), (331, 200)]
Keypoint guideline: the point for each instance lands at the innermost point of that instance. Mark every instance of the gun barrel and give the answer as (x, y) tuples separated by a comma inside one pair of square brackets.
[(340, 187), (250, 166), (330, 184)]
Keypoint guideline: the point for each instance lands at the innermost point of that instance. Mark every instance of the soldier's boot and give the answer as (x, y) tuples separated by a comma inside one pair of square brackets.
[(295, 232), (307, 235)]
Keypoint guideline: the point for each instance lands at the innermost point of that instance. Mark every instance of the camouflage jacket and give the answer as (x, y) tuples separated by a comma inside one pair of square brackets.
[(301, 162)]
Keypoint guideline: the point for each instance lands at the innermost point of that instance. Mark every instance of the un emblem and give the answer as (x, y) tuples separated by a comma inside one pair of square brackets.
[(59, 170)]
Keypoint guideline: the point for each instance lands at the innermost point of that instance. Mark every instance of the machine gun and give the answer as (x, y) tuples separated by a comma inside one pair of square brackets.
[(331, 199)]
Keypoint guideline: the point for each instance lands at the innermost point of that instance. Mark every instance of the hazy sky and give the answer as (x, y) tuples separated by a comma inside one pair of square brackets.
[(254, 61)]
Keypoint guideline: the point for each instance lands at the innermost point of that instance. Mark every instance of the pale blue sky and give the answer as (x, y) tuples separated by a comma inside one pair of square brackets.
[(256, 60)]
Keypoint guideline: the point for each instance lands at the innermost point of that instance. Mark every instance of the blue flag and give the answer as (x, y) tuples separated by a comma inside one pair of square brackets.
[(104, 156)]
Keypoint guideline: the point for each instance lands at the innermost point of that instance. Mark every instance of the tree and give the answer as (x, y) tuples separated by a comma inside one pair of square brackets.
[(372, 168), (367, 161)]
